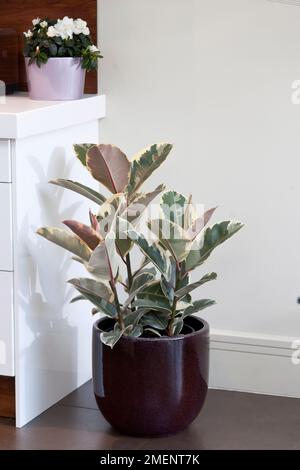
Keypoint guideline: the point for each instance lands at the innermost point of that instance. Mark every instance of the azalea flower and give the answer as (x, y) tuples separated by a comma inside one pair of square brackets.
[(28, 34), (52, 32), (36, 21), (65, 27), (93, 49), (44, 24)]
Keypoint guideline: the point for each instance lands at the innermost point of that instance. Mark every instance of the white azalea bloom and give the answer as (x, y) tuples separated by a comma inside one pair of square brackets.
[(36, 21), (51, 33), (79, 26), (65, 27), (28, 34), (44, 24), (93, 48), (86, 31)]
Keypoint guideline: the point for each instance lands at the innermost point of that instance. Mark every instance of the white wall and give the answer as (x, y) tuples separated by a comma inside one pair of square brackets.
[(214, 77)]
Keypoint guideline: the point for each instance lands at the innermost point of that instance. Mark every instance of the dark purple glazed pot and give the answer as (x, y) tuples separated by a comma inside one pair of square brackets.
[(151, 386)]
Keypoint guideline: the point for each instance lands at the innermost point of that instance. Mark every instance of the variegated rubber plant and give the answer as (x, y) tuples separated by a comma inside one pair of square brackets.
[(158, 293)]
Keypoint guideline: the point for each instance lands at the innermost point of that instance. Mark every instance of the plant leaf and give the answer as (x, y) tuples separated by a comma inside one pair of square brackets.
[(81, 151), (185, 290), (153, 297), (177, 326), (80, 189), (109, 165), (84, 232), (173, 207), (172, 237), (153, 331), (209, 239), (63, 238), (160, 259), (140, 203), (144, 163), (155, 320), (199, 224), (77, 298), (110, 338), (103, 262), (91, 286), (197, 306)]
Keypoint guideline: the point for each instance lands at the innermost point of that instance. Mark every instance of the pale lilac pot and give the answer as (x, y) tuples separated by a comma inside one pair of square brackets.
[(61, 78)]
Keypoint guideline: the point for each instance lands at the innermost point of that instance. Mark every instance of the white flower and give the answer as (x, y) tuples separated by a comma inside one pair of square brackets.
[(65, 27), (36, 21), (28, 34), (51, 33), (44, 24), (86, 31), (79, 26), (93, 49)]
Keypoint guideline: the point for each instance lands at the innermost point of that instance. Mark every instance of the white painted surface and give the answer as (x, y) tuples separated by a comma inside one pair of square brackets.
[(6, 259), (21, 117), (6, 324), (52, 337), (214, 77), (5, 162), (255, 363)]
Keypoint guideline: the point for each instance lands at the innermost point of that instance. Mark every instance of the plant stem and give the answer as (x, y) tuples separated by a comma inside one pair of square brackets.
[(118, 306), (170, 327), (129, 271)]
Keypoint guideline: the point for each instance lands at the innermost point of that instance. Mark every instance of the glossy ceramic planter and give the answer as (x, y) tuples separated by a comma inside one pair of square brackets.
[(151, 386), (60, 79)]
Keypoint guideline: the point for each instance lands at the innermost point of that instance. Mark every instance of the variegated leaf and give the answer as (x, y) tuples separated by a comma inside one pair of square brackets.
[(110, 338), (173, 206), (102, 305), (172, 237), (140, 203), (103, 262), (157, 320), (144, 163), (159, 258), (66, 240), (80, 189), (91, 286), (190, 287), (177, 326), (108, 165), (199, 224), (81, 151), (197, 306), (153, 297), (85, 233), (209, 239)]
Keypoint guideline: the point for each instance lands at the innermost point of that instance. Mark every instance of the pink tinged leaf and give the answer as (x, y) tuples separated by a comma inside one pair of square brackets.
[(103, 261), (109, 165), (94, 221), (199, 224), (85, 233)]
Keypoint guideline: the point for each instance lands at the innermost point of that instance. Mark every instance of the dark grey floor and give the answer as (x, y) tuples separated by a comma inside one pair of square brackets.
[(229, 420)]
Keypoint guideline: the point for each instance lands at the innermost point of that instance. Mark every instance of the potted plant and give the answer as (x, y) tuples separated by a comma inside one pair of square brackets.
[(150, 352), (57, 55)]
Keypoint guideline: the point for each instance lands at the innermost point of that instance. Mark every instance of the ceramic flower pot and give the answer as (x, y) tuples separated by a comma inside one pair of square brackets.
[(151, 386), (61, 78)]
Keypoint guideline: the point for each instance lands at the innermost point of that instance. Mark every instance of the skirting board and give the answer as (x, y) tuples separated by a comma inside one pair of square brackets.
[(255, 363)]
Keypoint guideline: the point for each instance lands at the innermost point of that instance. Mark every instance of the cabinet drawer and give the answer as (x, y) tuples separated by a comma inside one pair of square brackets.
[(6, 324), (6, 263), (5, 165)]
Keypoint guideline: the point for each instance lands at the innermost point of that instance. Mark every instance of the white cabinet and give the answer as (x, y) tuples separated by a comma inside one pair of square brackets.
[(44, 340)]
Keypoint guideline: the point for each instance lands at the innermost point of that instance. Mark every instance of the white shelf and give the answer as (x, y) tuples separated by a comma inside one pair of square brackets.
[(22, 117)]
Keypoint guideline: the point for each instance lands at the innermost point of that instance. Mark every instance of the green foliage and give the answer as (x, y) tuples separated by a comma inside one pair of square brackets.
[(157, 296)]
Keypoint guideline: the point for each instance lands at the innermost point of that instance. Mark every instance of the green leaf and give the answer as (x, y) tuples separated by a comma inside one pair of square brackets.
[(66, 240), (185, 290), (135, 332), (161, 260), (152, 297), (144, 163), (77, 298), (173, 207), (80, 189), (197, 306), (167, 288), (209, 239), (81, 151), (108, 165), (155, 320), (91, 286), (153, 331), (172, 237), (110, 338), (177, 326)]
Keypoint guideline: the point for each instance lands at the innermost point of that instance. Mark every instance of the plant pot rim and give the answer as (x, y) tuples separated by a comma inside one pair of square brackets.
[(203, 331), (59, 58)]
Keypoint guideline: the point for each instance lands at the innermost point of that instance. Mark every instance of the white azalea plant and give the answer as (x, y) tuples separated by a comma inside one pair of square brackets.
[(65, 37)]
